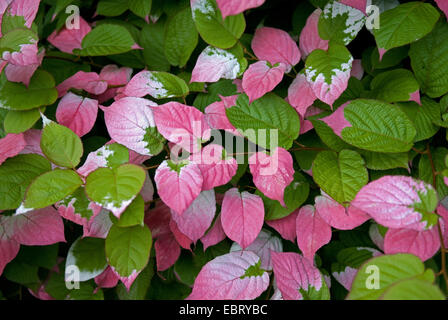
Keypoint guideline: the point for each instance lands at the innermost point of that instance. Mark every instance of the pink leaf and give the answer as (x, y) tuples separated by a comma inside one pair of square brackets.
[(36, 228), (77, 113), (337, 121), (99, 226), (128, 120), (357, 69), (234, 7), (8, 247), (116, 76), (67, 40), (338, 216), (390, 200), (423, 244), (26, 9), (167, 251), (309, 37), (107, 279), (198, 217), (224, 278), (181, 239), (275, 45), (285, 226), (32, 142), (214, 64), (261, 78), (182, 125), (158, 220), (11, 145), (215, 114), (312, 231), (262, 247), (443, 213), (357, 4), (18, 73), (272, 173), (178, 185), (88, 81), (443, 5), (293, 272), (415, 96), (215, 235), (147, 191), (26, 56), (300, 94), (127, 281), (216, 168), (242, 216)]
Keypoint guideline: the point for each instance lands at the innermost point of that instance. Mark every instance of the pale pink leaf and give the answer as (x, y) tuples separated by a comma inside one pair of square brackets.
[(99, 226), (390, 200), (423, 244), (346, 277), (300, 94), (214, 64), (234, 7), (67, 40), (11, 145), (77, 113), (309, 39), (275, 45), (293, 272), (261, 78), (272, 173), (178, 187), (167, 251), (376, 237), (128, 121), (182, 125), (262, 247), (286, 226), (87, 81), (242, 216), (224, 278), (216, 168), (215, 235), (198, 217), (312, 231), (338, 216), (116, 76), (36, 228)]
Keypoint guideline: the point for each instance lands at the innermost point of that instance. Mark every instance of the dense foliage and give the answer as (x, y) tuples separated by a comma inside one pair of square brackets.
[(223, 149)]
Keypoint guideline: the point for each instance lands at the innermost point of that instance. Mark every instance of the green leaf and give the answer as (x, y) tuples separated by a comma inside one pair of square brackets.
[(41, 256), (390, 59), (61, 145), (106, 39), (268, 121), (16, 174), (88, 255), (393, 86), (340, 23), (10, 22), (341, 175), (327, 135), (127, 249), (389, 270), (295, 195), (181, 38), (20, 121), (141, 8), (404, 24), (223, 87), (13, 40), (114, 189), (213, 29), (152, 39), (51, 187), (111, 8), (41, 91), (171, 85), (429, 60), (413, 289), (133, 215), (377, 126), (22, 273), (423, 117), (384, 161)]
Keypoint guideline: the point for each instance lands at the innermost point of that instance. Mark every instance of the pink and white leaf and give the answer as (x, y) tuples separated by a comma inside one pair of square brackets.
[(178, 189), (198, 217), (275, 45), (292, 272), (261, 78), (272, 173), (127, 281), (242, 216), (224, 278), (312, 231), (77, 113), (346, 277), (262, 247)]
